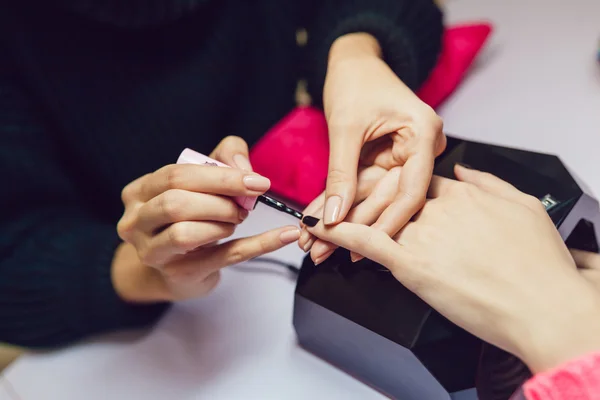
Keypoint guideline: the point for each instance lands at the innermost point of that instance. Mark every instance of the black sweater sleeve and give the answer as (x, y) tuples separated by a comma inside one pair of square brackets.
[(408, 31), (55, 256)]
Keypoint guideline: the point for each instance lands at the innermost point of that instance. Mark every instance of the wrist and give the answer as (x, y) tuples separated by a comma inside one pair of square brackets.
[(354, 45), (135, 282), (568, 328)]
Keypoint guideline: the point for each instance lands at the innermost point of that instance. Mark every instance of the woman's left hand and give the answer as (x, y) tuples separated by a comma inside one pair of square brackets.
[(373, 119)]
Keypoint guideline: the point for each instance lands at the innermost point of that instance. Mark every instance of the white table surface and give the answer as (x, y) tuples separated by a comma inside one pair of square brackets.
[(536, 86), (6, 390)]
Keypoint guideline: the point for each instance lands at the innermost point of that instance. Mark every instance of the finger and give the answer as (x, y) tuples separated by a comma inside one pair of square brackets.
[(368, 178), (440, 186), (202, 179), (182, 238), (370, 242), (240, 250), (440, 144), (586, 259), (317, 204), (177, 205), (365, 213), (374, 185), (413, 185), (233, 151), (378, 152), (321, 250), (381, 196), (342, 174), (491, 184), (307, 240)]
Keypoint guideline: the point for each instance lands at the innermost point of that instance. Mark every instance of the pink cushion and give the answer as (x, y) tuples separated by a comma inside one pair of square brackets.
[(294, 153), (461, 44)]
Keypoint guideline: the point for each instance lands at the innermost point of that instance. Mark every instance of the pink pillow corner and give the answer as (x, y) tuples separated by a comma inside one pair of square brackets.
[(461, 45)]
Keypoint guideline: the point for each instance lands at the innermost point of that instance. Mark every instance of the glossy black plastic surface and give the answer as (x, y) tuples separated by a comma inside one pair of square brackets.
[(367, 294)]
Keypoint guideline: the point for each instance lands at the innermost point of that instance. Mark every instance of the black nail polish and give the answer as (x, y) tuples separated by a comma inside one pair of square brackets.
[(467, 166), (310, 221)]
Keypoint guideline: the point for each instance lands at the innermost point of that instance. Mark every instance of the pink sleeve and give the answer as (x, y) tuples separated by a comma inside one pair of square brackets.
[(576, 380)]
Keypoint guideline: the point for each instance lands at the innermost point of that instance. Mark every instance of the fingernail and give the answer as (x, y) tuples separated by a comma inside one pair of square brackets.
[(243, 214), (310, 221), (290, 236), (308, 245), (304, 238), (242, 162), (320, 250), (354, 257), (257, 183), (332, 210), (467, 166), (323, 257)]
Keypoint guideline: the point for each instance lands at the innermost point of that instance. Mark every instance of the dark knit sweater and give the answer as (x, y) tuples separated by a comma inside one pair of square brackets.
[(96, 93)]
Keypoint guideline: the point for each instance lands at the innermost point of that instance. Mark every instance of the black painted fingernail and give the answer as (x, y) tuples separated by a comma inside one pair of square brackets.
[(310, 221), (467, 166)]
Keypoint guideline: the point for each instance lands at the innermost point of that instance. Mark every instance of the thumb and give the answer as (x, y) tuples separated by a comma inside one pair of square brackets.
[(233, 151), (344, 156)]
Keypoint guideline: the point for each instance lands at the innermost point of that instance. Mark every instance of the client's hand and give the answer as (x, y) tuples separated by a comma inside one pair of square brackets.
[(589, 266), (173, 219), (489, 258)]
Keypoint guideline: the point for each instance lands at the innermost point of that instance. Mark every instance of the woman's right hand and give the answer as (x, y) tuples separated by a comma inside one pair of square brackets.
[(489, 258), (173, 220)]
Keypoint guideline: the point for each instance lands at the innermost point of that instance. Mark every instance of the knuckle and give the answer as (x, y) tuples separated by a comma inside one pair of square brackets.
[(336, 176), (179, 237), (130, 191), (534, 203), (127, 193), (436, 121), (171, 204), (229, 180), (232, 179), (246, 249), (128, 223), (265, 244), (226, 230), (175, 176), (124, 228), (237, 254), (233, 141)]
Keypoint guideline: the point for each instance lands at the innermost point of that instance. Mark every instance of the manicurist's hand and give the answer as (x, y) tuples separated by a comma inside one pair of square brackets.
[(174, 218), (489, 258), (373, 119)]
